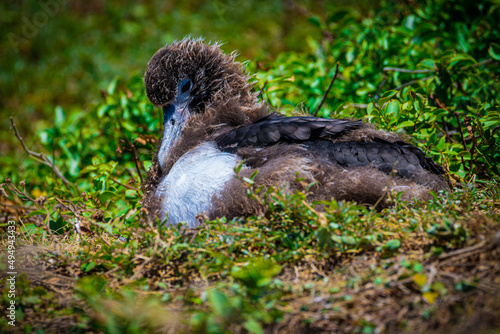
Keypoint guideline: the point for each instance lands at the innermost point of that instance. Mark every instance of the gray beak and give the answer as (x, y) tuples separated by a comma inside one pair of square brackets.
[(175, 116)]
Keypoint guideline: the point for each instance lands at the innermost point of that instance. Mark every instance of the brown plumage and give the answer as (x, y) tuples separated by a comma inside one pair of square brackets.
[(349, 159)]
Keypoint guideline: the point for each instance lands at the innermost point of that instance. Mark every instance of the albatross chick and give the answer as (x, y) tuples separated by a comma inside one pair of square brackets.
[(212, 121)]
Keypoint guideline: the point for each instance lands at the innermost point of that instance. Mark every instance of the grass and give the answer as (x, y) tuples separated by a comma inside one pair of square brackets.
[(416, 267)]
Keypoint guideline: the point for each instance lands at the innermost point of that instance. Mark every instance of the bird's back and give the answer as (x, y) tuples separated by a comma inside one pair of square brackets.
[(331, 141)]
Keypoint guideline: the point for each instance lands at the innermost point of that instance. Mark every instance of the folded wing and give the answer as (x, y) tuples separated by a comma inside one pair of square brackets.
[(275, 128), (319, 136)]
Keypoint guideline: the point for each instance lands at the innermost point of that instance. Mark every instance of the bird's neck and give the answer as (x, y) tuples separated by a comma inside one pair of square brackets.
[(215, 121)]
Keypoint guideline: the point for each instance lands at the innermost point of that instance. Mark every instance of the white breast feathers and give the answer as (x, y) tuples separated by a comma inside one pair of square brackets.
[(188, 188)]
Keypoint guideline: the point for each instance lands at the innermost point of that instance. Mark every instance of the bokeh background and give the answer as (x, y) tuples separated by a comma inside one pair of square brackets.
[(62, 53)]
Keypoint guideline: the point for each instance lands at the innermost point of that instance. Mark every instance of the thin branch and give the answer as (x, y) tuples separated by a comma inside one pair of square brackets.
[(136, 160), (380, 87), (484, 62), (262, 90), (445, 133), (42, 158), (40, 202), (134, 151), (412, 82), (471, 249), (442, 105), (47, 224), (395, 69), (70, 206), (327, 90), (124, 185), (18, 192), (460, 130)]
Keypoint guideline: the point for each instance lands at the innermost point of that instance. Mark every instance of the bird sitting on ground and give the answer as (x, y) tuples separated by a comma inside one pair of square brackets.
[(212, 121)]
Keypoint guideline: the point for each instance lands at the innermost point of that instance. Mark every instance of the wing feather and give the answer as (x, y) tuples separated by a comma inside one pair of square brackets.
[(275, 128), (317, 134)]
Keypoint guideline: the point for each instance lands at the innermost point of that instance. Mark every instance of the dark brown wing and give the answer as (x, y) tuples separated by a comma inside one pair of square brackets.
[(401, 158), (276, 128), (316, 133)]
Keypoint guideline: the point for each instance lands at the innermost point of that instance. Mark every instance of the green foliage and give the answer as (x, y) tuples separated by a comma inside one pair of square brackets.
[(28, 297), (248, 301), (442, 73), (235, 276), (124, 311), (60, 53)]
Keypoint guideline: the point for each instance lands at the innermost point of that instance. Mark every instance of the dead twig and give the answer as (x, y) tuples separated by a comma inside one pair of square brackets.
[(460, 130), (444, 133), (70, 206), (134, 151), (484, 62), (40, 202), (262, 90), (123, 185), (462, 251), (327, 90), (42, 158)]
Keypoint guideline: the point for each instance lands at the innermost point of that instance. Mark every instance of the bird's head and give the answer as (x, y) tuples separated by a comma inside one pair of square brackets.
[(189, 77)]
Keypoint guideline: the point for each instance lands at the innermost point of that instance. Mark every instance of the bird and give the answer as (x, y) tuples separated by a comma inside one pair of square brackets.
[(214, 122)]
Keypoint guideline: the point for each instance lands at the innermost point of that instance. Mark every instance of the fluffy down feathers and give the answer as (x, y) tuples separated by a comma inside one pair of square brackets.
[(349, 159)]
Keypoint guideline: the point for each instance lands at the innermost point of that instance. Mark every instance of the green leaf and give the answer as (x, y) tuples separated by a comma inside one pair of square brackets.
[(392, 107), (393, 244), (57, 226), (59, 118), (348, 240), (86, 267), (386, 97), (106, 195), (247, 180), (31, 300), (36, 213), (406, 124), (252, 326), (494, 51), (365, 90), (106, 227), (30, 227), (314, 19), (461, 60), (220, 303), (112, 86)]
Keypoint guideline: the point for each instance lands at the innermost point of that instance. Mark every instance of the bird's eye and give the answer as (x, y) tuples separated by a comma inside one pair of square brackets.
[(185, 86)]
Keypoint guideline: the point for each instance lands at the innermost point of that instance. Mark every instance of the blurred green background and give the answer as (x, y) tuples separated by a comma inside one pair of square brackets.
[(62, 53)]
